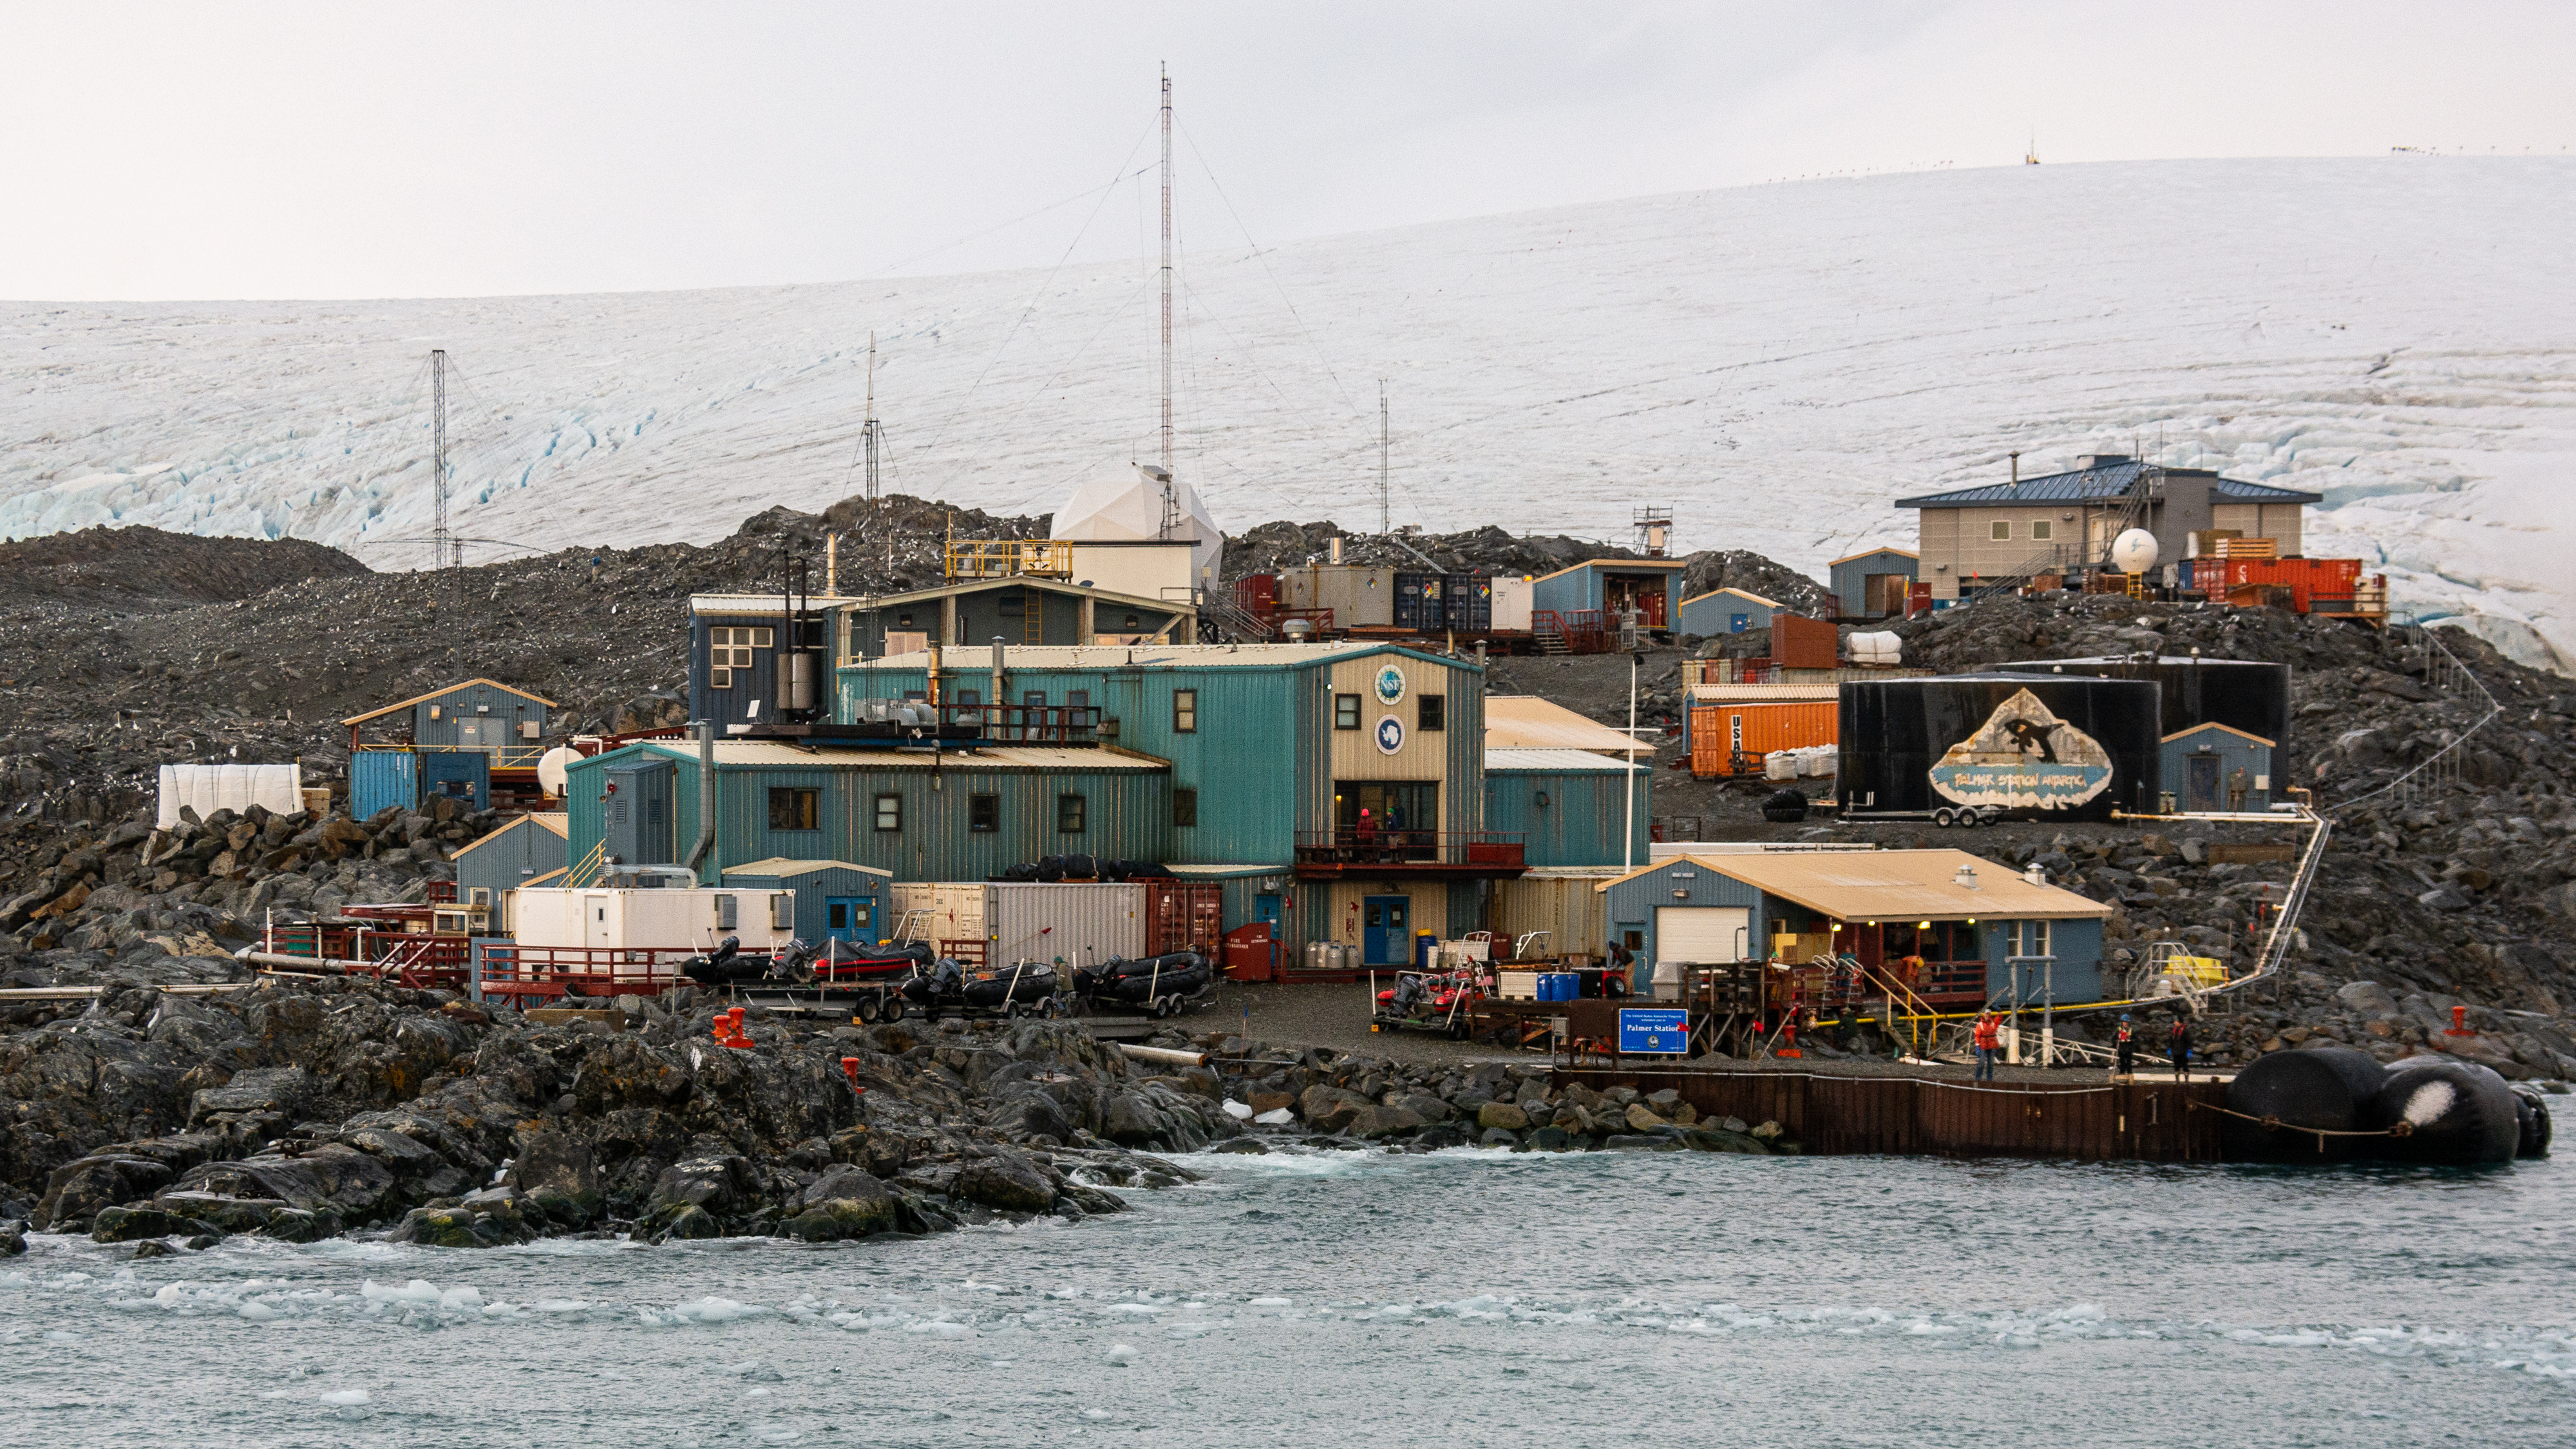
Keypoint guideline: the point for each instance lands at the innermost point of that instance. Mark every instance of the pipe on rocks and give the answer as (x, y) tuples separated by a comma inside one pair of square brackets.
[(1164, 1055), (706, 792), (301, 963)]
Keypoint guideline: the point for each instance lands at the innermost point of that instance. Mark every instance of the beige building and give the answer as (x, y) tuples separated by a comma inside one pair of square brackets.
[(2004, 534)]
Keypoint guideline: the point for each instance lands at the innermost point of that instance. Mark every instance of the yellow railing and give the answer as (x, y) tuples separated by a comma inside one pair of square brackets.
[(583, 875), (999, 558), (504, 757)]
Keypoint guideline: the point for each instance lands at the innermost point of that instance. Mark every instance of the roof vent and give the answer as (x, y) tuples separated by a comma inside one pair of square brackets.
[(1966, 879), (2100, 460)]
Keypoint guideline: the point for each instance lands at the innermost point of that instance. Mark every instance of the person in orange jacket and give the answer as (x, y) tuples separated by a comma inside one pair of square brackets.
[(1989, 1038)]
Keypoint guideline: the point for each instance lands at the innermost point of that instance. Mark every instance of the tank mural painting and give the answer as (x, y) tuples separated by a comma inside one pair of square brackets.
[(2024, 758)]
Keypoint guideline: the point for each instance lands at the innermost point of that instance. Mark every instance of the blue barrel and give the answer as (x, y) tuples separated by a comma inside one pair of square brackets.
[(1425, 947)]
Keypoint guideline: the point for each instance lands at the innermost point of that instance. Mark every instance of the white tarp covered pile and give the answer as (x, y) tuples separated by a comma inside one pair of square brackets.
[(1811, 763), (209, 788)]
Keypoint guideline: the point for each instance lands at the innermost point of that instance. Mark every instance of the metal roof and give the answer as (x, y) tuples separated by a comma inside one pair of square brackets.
[(780, 865), (771, 604), (1873, 553), (1896, 885), (1552, 762), (1145, 656), (550, 820), (1226, 872), (1620, 565), (2182, 734), (448, 689), (1527, 722), (1739, 593), (2100, 484), (742, 754), (1764, 693)]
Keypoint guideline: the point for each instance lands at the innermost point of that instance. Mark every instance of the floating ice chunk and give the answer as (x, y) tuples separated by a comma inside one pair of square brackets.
[(256, 1312), (460, 1298), (1271, 1302), (1095, 1413), (347, 1398), (781, 1436), (1120, 1353), (1239, 1111), (1276, 1117), (1133, 1308), (418, 1290), (715, 1310), (561, 1305), (2079, 1313), (939, 1328)]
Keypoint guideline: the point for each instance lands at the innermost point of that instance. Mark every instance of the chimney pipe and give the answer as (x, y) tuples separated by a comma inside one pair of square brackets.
[(706, 793), (2016, 470)]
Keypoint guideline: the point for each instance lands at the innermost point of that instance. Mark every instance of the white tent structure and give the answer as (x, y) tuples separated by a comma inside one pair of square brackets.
[(1122, 509)]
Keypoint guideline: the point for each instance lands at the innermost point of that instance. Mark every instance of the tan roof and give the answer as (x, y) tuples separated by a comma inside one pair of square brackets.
[(1864, 553), (1556, 762), (1739, 593), (1764, 693), (447, 689), (1527, 722), (2215, 725), (1621, 564), (782, 865), (554, 820), (1895, 885), (1118, 656)]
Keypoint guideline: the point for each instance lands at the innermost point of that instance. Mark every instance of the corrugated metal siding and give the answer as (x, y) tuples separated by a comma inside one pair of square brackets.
[(760, 682), (1076, 925), (1851, 578), (378, 778), (518, 853), (464, 702), (950, 911), (1127, 817), (813, 890), (1566, 907), (1580, 823), (1631, 904), (2233, 752), (585, 799)]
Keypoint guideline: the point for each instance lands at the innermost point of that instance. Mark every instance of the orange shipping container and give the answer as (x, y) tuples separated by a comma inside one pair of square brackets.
[(1721, 732)]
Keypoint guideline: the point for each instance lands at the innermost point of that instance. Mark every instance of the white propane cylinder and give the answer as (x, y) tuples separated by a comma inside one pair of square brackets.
[(2134, 552)]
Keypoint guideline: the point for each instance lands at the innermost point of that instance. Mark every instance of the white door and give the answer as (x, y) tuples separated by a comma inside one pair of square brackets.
[(594, 915), (469, 734), (1703, 935)]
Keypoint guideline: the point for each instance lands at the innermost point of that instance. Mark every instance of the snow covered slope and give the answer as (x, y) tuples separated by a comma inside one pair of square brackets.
[(1778, 362)]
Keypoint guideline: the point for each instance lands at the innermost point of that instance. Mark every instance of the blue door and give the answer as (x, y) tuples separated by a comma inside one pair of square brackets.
[(846, 918), (1738, 623), (1266, 908), (1386, 930)]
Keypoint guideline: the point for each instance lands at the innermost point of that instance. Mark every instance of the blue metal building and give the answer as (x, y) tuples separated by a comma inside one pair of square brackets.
[(835, 900), (1606, 586), (2215, 767), (1726, 611), (1965, 917), (454, 741), (1567, 805), (514, 855), (1859, 581)]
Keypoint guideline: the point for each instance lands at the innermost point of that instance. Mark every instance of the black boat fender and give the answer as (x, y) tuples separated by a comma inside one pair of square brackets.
[(2453, 1113), (2329, 1089), (2532, 1136)]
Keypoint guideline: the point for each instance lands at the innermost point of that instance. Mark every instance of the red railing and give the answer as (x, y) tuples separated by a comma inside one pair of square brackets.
[(418, 959), (1580, 629), (547, 972), (1351, 845)]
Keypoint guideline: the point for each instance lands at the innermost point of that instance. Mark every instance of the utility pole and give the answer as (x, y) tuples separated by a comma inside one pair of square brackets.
[(443, 552), (1382, 528), (1167, 279)]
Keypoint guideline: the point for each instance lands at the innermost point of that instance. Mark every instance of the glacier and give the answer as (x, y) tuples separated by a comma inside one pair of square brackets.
[(1775, 362)]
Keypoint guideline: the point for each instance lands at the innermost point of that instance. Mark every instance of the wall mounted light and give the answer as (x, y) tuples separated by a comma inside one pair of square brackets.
[(1542, 799)]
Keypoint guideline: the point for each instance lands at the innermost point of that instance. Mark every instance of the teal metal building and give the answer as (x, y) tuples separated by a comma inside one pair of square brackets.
[(1726, 611), (916, 815), (835, 900), (2216, 767), (1567, 806)]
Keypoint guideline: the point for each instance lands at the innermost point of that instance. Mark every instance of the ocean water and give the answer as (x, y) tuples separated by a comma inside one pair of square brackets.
[(1323, 1298)]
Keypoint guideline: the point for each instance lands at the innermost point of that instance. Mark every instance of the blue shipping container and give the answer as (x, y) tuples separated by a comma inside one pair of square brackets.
[(378, 778)]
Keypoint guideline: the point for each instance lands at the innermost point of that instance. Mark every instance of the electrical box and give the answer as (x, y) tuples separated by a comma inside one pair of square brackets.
[(724, 913), (782, 910)]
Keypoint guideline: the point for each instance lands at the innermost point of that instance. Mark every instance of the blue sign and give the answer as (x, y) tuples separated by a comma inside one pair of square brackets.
[(1390, 734), (1646, 1030)]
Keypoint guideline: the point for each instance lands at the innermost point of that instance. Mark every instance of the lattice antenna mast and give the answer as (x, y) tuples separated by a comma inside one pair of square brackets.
[(1167, 290), (443, 552), (872, 433)]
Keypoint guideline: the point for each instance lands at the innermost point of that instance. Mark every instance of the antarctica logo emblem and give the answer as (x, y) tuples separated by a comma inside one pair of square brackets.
[(2025, 758), (1390, 734), (1390, 685)]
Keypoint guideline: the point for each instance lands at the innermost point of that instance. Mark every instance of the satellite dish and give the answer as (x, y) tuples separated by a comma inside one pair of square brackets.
[(552, 769), (2134, 552)]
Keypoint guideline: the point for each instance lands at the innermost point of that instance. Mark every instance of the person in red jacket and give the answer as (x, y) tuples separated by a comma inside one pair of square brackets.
[(1989, 1037)]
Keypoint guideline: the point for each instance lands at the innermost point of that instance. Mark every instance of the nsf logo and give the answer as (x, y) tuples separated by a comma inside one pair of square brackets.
[(1390, 734), (1390, 685)]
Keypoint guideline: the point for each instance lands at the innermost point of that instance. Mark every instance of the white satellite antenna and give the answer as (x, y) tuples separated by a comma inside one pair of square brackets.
[(2134, 552), (553, 770)]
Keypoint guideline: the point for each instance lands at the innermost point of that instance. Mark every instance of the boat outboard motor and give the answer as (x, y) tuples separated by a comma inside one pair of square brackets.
[(2533, 1108), (711, 970), (2456, 1113), (2330, 1089)]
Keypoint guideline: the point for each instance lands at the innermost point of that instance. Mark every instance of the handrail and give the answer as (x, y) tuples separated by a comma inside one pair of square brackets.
[(585, 874), (2443, 757), (996, 558)]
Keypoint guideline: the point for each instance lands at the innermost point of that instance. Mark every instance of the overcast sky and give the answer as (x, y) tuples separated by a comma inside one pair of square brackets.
[(248, 150)]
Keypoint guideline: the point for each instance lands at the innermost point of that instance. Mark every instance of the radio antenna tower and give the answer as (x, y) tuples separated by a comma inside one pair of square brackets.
[(443, 552), (1170, 503), (872, 434)]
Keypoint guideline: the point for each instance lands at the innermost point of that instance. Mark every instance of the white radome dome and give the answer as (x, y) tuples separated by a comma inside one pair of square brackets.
[(1121, 507), (2134, 552)]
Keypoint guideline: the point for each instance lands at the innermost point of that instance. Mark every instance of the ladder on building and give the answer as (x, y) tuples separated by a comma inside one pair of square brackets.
[(1032, 615)]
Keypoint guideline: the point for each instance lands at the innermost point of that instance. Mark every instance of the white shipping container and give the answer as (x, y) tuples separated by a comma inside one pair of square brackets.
[(936, 911), (1080, 925), (1563, 904), (1512, 602), (651, 919)]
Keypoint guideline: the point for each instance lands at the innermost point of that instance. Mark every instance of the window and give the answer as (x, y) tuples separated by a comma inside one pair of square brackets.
[(528, 729), (1185, 807), (1185, 711), (791, 809), (1033, 697), (2042, 530), (1068, 814), (970, 698), (729, 649), (1346, 711), (2030, 938), (983, 813), (2002, 529), (889, 812), (1431, 713)]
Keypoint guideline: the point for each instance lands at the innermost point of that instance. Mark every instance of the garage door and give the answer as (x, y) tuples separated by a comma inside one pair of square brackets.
[(1702, 934)]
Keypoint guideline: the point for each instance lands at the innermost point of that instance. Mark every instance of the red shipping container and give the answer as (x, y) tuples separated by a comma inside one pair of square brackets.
[(1183, 916), (1718, 731), (2308, 579), (1798, 642)]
